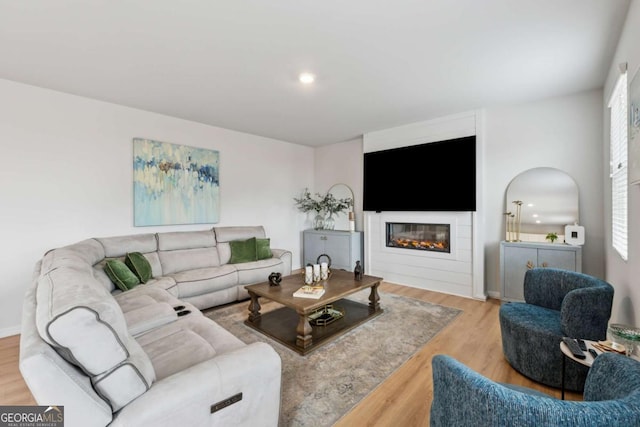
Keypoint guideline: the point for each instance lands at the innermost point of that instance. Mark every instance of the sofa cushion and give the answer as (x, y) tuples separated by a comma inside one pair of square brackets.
[(186, 342), (258, 271), (74, 329), (120, 385), (263, 249), (85, 252), (177, 260), (118, 246), (204, 280), (139, 265), (186, 240), (121, 275), (83, 322), (142, 296), (243, 251)]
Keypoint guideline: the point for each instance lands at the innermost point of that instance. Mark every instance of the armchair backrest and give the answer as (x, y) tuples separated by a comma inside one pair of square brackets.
[(463, 397), (584, 301)]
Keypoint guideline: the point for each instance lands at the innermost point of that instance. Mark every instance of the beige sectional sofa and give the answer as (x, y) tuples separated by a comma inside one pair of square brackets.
[(148, 356)]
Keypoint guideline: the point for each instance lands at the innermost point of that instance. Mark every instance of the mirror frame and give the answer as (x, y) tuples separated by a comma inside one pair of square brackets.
[(342, 218), (549, 200)]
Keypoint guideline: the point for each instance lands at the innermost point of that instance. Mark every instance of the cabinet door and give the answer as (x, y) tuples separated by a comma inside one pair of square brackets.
[(313, 246), (557, 259), (338, 247), (517, 261)]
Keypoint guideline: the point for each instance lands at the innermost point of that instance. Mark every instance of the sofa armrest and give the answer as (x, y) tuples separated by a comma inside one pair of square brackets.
[(462, 397), (286, 257), (186, 398), (585, 312)]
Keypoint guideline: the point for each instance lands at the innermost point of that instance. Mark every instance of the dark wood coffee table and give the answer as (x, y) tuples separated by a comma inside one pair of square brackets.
[(290, 324)]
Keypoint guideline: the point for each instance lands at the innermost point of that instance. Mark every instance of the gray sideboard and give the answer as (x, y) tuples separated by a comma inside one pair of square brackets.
[(518, 257), (344, 247)]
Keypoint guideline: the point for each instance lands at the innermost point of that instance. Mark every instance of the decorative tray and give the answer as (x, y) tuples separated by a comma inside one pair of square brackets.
[(326, 315)]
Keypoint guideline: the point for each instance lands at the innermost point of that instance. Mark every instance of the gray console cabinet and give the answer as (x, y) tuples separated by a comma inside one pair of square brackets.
[(344, 247), (518, 257)]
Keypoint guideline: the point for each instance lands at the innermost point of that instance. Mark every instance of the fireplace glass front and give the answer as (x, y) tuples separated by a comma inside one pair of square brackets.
[(421, 237)]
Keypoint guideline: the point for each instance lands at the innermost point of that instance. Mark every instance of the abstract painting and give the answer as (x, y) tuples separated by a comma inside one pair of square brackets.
[(174, 184)]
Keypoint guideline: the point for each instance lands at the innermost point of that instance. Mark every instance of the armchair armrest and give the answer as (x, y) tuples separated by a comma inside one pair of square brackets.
[(185, 398), (585, 312), (462, 397)]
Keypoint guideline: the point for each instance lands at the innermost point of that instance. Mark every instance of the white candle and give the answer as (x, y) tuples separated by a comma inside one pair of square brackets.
[(316, 272), (324, 271), (308, 275)]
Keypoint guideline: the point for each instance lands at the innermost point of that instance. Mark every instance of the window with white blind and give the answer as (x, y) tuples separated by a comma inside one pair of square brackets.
[(618, 155)]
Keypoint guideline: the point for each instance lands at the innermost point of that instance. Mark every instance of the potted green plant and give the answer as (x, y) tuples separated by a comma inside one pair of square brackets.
[(306, 203), (332, 206), (552, 237)]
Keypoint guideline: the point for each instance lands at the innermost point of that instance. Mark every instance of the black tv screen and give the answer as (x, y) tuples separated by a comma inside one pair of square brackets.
[(437, 176)]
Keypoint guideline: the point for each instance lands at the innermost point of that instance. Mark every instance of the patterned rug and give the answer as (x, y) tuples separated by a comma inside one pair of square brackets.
[(319, 388)]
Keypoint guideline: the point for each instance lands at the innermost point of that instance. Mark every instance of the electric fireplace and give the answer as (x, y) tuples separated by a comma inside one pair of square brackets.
[(419, 237)]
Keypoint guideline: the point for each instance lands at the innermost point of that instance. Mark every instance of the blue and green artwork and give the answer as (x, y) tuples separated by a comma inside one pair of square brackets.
[(174, 184)]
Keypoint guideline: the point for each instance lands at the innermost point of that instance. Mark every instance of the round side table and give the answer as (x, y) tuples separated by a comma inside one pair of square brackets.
[(587, 361)]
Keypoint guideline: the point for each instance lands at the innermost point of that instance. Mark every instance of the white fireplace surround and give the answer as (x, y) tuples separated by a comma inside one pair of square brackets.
[(451, 273), (461, 272)]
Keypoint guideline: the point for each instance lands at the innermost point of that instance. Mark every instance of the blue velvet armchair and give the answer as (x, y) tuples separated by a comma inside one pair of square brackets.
[(462, 397), (557, 303)]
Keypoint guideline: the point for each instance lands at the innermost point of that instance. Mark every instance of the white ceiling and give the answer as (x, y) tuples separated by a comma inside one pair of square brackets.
[(379, 64)]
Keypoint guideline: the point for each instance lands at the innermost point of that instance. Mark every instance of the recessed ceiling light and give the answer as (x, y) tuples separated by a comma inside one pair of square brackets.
[(307, 78)]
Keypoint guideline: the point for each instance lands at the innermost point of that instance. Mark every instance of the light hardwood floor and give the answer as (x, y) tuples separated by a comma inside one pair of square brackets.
[(405, 397)]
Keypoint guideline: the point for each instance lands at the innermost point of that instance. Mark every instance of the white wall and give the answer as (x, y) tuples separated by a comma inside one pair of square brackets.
[(563, 133), (341, 164), (66, 175), (624, 276)]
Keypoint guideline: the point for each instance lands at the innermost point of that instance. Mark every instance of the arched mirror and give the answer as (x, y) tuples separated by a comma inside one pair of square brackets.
[(342, 191), (539, 202)]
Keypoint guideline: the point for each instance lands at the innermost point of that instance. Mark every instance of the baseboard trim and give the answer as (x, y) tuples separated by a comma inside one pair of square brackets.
[(494, 294)]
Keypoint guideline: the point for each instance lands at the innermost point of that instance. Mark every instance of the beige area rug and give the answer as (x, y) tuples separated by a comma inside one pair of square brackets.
[(319, 388)]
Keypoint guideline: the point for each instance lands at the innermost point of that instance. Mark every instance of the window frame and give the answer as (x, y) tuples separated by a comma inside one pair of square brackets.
[(618, 166)]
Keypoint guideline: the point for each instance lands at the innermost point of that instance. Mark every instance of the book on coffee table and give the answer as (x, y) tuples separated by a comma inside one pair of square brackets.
[(308, 291)]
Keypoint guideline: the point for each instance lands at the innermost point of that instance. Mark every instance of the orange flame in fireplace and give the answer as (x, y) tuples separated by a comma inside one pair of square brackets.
[(420, 244)]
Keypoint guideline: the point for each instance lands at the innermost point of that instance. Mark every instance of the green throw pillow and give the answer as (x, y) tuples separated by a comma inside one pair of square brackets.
[(120, 274), (139, 265), (243, 251), (263, 249)]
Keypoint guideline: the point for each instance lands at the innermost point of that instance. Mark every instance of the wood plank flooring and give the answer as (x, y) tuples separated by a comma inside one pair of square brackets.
[(405, 397)]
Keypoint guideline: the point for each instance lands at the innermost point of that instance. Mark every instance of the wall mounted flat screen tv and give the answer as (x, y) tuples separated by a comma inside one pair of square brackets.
[(436, 176)]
